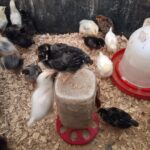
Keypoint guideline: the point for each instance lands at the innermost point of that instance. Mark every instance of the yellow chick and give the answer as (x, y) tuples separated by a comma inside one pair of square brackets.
[(15, 15), (111, 41), (104, 65), (3, 18), (88, 28)]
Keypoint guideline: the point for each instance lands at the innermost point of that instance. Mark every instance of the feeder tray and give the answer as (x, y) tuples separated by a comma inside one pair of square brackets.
[(124, 85), (78, 136)]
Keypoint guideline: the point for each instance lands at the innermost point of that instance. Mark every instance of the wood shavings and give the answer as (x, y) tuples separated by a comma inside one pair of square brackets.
[(15, 105)]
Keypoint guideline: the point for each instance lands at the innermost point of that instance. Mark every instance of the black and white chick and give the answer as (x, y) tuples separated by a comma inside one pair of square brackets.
[(117, 118), (7, 47), (31, 72), (3, 143), (11, 62), (18, 37), (63, 58), (94, 42)]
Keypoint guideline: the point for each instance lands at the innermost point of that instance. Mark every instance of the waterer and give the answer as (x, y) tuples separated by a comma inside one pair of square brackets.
[(132, 65)]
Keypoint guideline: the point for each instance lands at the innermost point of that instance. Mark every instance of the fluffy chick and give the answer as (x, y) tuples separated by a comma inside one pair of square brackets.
[(111, 41), (93, 42), (31, 72), (88, 28), (117, 117), (18, 37), (11, 62), (7, 47), (3, 18), (104, 65), (104, 23), (3, 143), (43, 96), (62, 57), (15, 16)]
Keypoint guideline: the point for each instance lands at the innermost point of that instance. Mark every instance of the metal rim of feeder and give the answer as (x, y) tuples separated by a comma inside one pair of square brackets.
[(125, 86)]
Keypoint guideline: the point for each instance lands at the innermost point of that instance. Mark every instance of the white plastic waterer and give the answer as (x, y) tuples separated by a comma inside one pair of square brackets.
[(135, 65), (132, 65)]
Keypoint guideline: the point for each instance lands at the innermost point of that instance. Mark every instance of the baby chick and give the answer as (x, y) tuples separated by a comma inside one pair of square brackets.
[(31, 72), (62, 57), (104, 65), (93, 42), (3, 143), (117, 117), (88, 28), (43, 96), (111, 41), (15, 16), (11, 62), (18, 37), (104, 23), (3, 18), (6, 47)]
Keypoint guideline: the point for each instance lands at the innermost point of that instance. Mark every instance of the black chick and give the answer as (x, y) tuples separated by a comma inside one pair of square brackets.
[(117, 117), (93, 42), (62, 57), (12, 63), (31, 72), (3, 143), (16, 35)]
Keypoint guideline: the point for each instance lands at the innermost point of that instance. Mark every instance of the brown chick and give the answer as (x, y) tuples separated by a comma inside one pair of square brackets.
[(104, 23)]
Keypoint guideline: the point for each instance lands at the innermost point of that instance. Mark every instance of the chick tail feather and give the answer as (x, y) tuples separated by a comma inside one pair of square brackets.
[(30, 122), (134, 123)]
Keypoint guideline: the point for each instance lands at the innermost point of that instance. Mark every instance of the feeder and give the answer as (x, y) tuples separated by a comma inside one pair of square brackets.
[(76, 122), (132, 65)]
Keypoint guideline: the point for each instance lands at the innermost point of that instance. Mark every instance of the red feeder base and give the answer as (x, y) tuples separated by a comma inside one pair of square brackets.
[(78, 136), (123, 85)]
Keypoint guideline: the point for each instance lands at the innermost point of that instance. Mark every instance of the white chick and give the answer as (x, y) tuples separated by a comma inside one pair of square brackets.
[(3, 18), (43, 97), (7, 47), (111, 41), (15, 15), (146, 22), (88, 28), (104, 65)]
